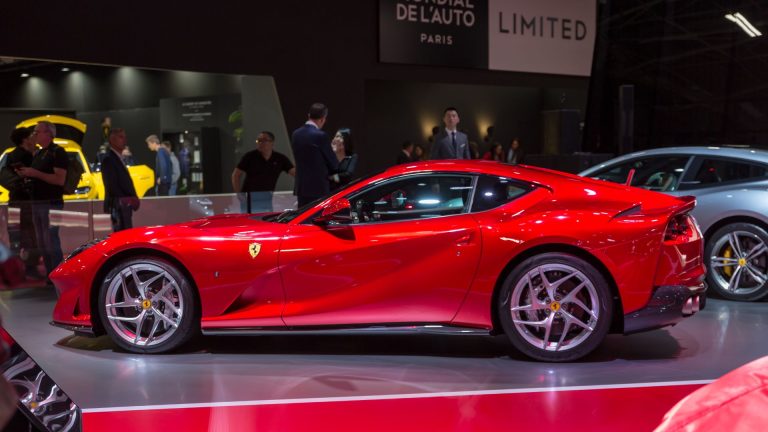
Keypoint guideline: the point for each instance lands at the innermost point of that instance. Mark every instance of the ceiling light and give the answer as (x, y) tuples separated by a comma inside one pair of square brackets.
[(65, 69), (24, 75), (745, 25), (746, 22)]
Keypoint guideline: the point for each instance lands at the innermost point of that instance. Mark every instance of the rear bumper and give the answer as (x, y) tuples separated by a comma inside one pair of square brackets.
[(668, 305)]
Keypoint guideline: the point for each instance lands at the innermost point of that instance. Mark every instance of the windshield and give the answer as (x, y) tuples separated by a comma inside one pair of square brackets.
[(290, 215), (68, 132)]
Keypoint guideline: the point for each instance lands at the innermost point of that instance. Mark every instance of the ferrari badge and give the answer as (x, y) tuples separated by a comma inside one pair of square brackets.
[(254, 249)]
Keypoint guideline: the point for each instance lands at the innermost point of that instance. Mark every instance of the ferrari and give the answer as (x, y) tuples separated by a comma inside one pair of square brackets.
[(552, 260)]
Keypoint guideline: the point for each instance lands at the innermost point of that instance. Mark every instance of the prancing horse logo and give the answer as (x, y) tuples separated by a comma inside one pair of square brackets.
[(254, 249)]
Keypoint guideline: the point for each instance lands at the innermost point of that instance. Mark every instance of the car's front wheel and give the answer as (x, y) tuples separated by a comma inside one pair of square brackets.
[(736, 257), (555, 307), (147, 306)]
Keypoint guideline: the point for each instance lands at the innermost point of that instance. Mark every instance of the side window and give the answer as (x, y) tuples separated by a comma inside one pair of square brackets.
[(615, 174), (492, 192), (74, 156), (659, 173), (412, 197), (721, 170)]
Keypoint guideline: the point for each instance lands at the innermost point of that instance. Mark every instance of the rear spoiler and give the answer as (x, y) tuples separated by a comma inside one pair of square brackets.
[(687, 203)]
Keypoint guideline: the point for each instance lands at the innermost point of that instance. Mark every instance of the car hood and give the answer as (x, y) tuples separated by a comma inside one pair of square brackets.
[(220, 226), (225, 220)]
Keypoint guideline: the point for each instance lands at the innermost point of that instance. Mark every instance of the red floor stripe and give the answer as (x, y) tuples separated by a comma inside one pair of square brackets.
[(625, 409)]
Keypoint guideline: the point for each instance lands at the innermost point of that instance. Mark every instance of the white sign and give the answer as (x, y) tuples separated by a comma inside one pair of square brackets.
[(545, 36)]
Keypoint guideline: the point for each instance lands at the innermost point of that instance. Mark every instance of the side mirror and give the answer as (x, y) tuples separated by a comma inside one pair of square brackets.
[(337, 212)]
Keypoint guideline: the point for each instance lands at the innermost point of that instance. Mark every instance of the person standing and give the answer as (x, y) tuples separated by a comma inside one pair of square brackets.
[(405, 153), (496, 153), (418, 153), (261, 168), (315, 160), (106, 126), (451, 143), (163, 167), (47, 172), (120, 199), (128, 156), (515, 154), (22, 240), (175, 168), (345, 153)]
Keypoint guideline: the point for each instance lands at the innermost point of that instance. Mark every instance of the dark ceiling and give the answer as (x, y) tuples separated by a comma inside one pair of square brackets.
[(696, 77)]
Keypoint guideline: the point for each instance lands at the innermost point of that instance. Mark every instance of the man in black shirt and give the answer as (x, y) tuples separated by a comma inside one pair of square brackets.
[(47, 172), (261, 168)]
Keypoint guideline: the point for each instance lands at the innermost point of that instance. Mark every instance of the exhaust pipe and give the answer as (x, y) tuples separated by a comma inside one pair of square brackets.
[(688, 307)]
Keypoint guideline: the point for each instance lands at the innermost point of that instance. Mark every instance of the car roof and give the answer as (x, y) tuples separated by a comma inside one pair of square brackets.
[(67, 145), (752, 154), (541, 176), (55, 119)]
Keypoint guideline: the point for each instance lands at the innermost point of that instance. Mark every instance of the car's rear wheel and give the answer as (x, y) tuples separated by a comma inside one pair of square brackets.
[(147, 306), (555, 307), (736, 256)]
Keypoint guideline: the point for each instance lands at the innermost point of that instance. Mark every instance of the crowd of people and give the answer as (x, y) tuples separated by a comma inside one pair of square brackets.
[(36, 169), (324, 164), (35, 173)]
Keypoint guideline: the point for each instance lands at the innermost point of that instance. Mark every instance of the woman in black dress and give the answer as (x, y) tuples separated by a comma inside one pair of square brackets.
[(345, 153)]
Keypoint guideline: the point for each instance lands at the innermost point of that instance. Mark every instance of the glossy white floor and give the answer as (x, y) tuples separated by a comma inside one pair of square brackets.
[(270, 368)]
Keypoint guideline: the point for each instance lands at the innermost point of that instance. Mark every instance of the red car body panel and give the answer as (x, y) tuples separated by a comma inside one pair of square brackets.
[(389, 273), (442, 270), (736, 401)]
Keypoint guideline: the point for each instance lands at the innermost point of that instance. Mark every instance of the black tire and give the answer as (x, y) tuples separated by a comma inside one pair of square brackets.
[(125, 313), (727, 274), (533, 304)]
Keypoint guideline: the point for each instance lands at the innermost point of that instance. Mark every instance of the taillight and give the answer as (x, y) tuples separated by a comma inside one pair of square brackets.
[(680, 229)]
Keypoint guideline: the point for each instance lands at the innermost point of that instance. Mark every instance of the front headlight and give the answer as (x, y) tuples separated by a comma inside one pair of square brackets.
[(83, 190)]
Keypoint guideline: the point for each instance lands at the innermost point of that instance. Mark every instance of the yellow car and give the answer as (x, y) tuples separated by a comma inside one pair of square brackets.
[(69, 135)]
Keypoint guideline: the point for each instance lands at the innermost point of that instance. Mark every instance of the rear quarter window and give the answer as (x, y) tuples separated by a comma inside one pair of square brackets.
[(492, 192), (712, 171)]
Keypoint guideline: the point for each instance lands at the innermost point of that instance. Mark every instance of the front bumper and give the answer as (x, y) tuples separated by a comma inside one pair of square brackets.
[(79, 330), (668, 305)]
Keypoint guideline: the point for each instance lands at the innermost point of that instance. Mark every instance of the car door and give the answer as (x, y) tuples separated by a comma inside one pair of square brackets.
[(725, 187), (408, 255)]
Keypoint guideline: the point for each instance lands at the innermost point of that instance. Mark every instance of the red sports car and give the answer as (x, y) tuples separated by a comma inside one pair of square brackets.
[(552, 260)]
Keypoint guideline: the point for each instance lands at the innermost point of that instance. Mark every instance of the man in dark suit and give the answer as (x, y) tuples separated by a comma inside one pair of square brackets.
[(406, 154), (450, 143), (315, 160), (120, 199)]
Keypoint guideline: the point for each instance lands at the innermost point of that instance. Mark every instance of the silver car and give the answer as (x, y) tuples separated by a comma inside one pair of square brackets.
[(731, 189)]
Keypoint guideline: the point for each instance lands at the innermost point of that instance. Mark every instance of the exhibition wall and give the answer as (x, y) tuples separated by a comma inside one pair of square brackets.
[(327, 53)]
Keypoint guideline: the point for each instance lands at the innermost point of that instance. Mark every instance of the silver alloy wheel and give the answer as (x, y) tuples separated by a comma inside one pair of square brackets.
[(144, 304), (739, 262), (555, 307)]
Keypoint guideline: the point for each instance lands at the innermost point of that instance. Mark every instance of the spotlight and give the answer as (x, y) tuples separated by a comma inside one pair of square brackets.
[(65, 69), (24, 75)]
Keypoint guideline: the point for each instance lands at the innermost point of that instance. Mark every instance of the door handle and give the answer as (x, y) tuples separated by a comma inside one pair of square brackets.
[(465, 240)]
